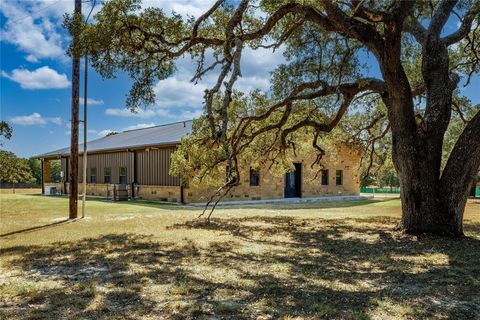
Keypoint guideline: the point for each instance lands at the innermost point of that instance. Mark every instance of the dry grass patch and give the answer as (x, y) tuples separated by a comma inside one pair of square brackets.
[(272, 262)]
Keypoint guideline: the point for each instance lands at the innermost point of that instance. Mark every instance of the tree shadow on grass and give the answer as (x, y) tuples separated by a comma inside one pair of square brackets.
[(266, 206), (45, 226), (261, 267)]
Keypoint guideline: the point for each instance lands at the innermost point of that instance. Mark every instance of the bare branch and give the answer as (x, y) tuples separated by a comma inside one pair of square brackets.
[(370, 15), (465, 27), (415, 28), (440, 17)]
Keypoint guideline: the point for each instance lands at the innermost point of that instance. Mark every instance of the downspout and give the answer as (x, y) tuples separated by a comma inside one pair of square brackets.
[(41, 177), (64, 178), (135, 173)]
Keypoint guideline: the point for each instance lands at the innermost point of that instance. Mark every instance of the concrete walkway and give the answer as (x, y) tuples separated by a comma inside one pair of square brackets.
[(284, 201)]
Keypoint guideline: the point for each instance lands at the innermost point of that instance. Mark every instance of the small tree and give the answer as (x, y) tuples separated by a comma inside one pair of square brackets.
[(36, 169), (14, 170), (5, 131)]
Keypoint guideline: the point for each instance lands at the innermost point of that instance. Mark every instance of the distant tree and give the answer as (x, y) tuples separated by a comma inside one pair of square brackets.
[(36, 169), (5, 131), (420, 62), (56, 169), (111, 133), (13, 169)]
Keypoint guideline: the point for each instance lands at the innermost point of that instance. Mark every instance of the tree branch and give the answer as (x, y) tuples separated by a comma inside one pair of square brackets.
[(465, 27), (464, 160), (415, 28), (440, 17)]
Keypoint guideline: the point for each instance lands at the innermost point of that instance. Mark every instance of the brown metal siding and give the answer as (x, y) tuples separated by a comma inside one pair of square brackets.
[(154, 166), (114, 160)]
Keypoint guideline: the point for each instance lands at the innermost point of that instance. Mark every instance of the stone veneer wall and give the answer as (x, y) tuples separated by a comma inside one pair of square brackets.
[(272, 187), (161, 193), (346, 160)]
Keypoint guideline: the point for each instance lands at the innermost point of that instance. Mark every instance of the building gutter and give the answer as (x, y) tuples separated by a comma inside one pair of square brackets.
[(136, 148)]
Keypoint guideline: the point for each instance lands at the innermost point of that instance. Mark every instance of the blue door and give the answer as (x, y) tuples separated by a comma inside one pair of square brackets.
[(293, 182)]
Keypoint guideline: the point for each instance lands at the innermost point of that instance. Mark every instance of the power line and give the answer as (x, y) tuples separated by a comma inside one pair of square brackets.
[(94, 2), (33, 13)]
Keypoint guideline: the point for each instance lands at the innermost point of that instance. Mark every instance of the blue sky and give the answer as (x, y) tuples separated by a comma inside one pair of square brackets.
[(35, 79)]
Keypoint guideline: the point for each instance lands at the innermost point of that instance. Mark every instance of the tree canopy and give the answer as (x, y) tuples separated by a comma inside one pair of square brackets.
[(13, 169), (5, 131), (324, 85)]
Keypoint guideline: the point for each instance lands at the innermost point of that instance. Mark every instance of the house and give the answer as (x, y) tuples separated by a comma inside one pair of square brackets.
[(140, 160)]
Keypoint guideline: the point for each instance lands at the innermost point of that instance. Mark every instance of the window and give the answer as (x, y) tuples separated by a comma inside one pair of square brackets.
[(107, 178), (325, 177), (254, 178), (122, 175), (93, 175), (339, 177)]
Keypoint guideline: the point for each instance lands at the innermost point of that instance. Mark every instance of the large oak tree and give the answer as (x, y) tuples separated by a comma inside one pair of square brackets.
[(421, 63)]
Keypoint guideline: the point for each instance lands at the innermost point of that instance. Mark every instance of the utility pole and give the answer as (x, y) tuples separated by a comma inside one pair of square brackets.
[(85, 137), (73, 203), (85, 100)]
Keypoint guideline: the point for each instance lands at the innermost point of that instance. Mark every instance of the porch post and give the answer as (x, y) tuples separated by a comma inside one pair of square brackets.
[(41, 177), (46, 173)]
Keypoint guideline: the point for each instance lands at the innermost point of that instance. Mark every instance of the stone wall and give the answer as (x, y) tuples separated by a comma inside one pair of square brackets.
[(272, 187), (159, 193), (346, 160)]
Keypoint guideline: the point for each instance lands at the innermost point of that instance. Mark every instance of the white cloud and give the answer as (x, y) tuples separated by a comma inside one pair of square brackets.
[(35, 27), (261, 62), (142, 113), (41, 78), (56, 120), (139, 126), (178, 98), (247, 84), (184, 7), (176, 93), (105, 132), (35, 119), (189, 115), (92, 102), (148, 113)]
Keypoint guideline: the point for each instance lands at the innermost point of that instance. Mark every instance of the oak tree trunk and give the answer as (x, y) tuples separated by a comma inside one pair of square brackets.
[(433, 201), (429, 208)]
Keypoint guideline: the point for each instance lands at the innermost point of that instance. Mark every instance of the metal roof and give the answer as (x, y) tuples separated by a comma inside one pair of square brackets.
[(166, 134)]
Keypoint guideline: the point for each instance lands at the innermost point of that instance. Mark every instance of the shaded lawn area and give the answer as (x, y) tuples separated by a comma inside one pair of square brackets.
[(299, 261)]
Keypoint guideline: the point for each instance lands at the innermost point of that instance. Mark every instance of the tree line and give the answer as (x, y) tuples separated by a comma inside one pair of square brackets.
[(16, 170)]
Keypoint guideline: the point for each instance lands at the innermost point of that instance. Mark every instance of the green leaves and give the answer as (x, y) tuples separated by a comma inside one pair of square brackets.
[(13, 169), (5, 130)]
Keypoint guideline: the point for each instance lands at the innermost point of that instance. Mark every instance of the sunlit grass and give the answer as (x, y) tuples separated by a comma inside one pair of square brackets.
[(135, 260)]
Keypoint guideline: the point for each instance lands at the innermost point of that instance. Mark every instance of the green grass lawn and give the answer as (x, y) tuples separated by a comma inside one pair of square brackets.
[(142, 260)]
